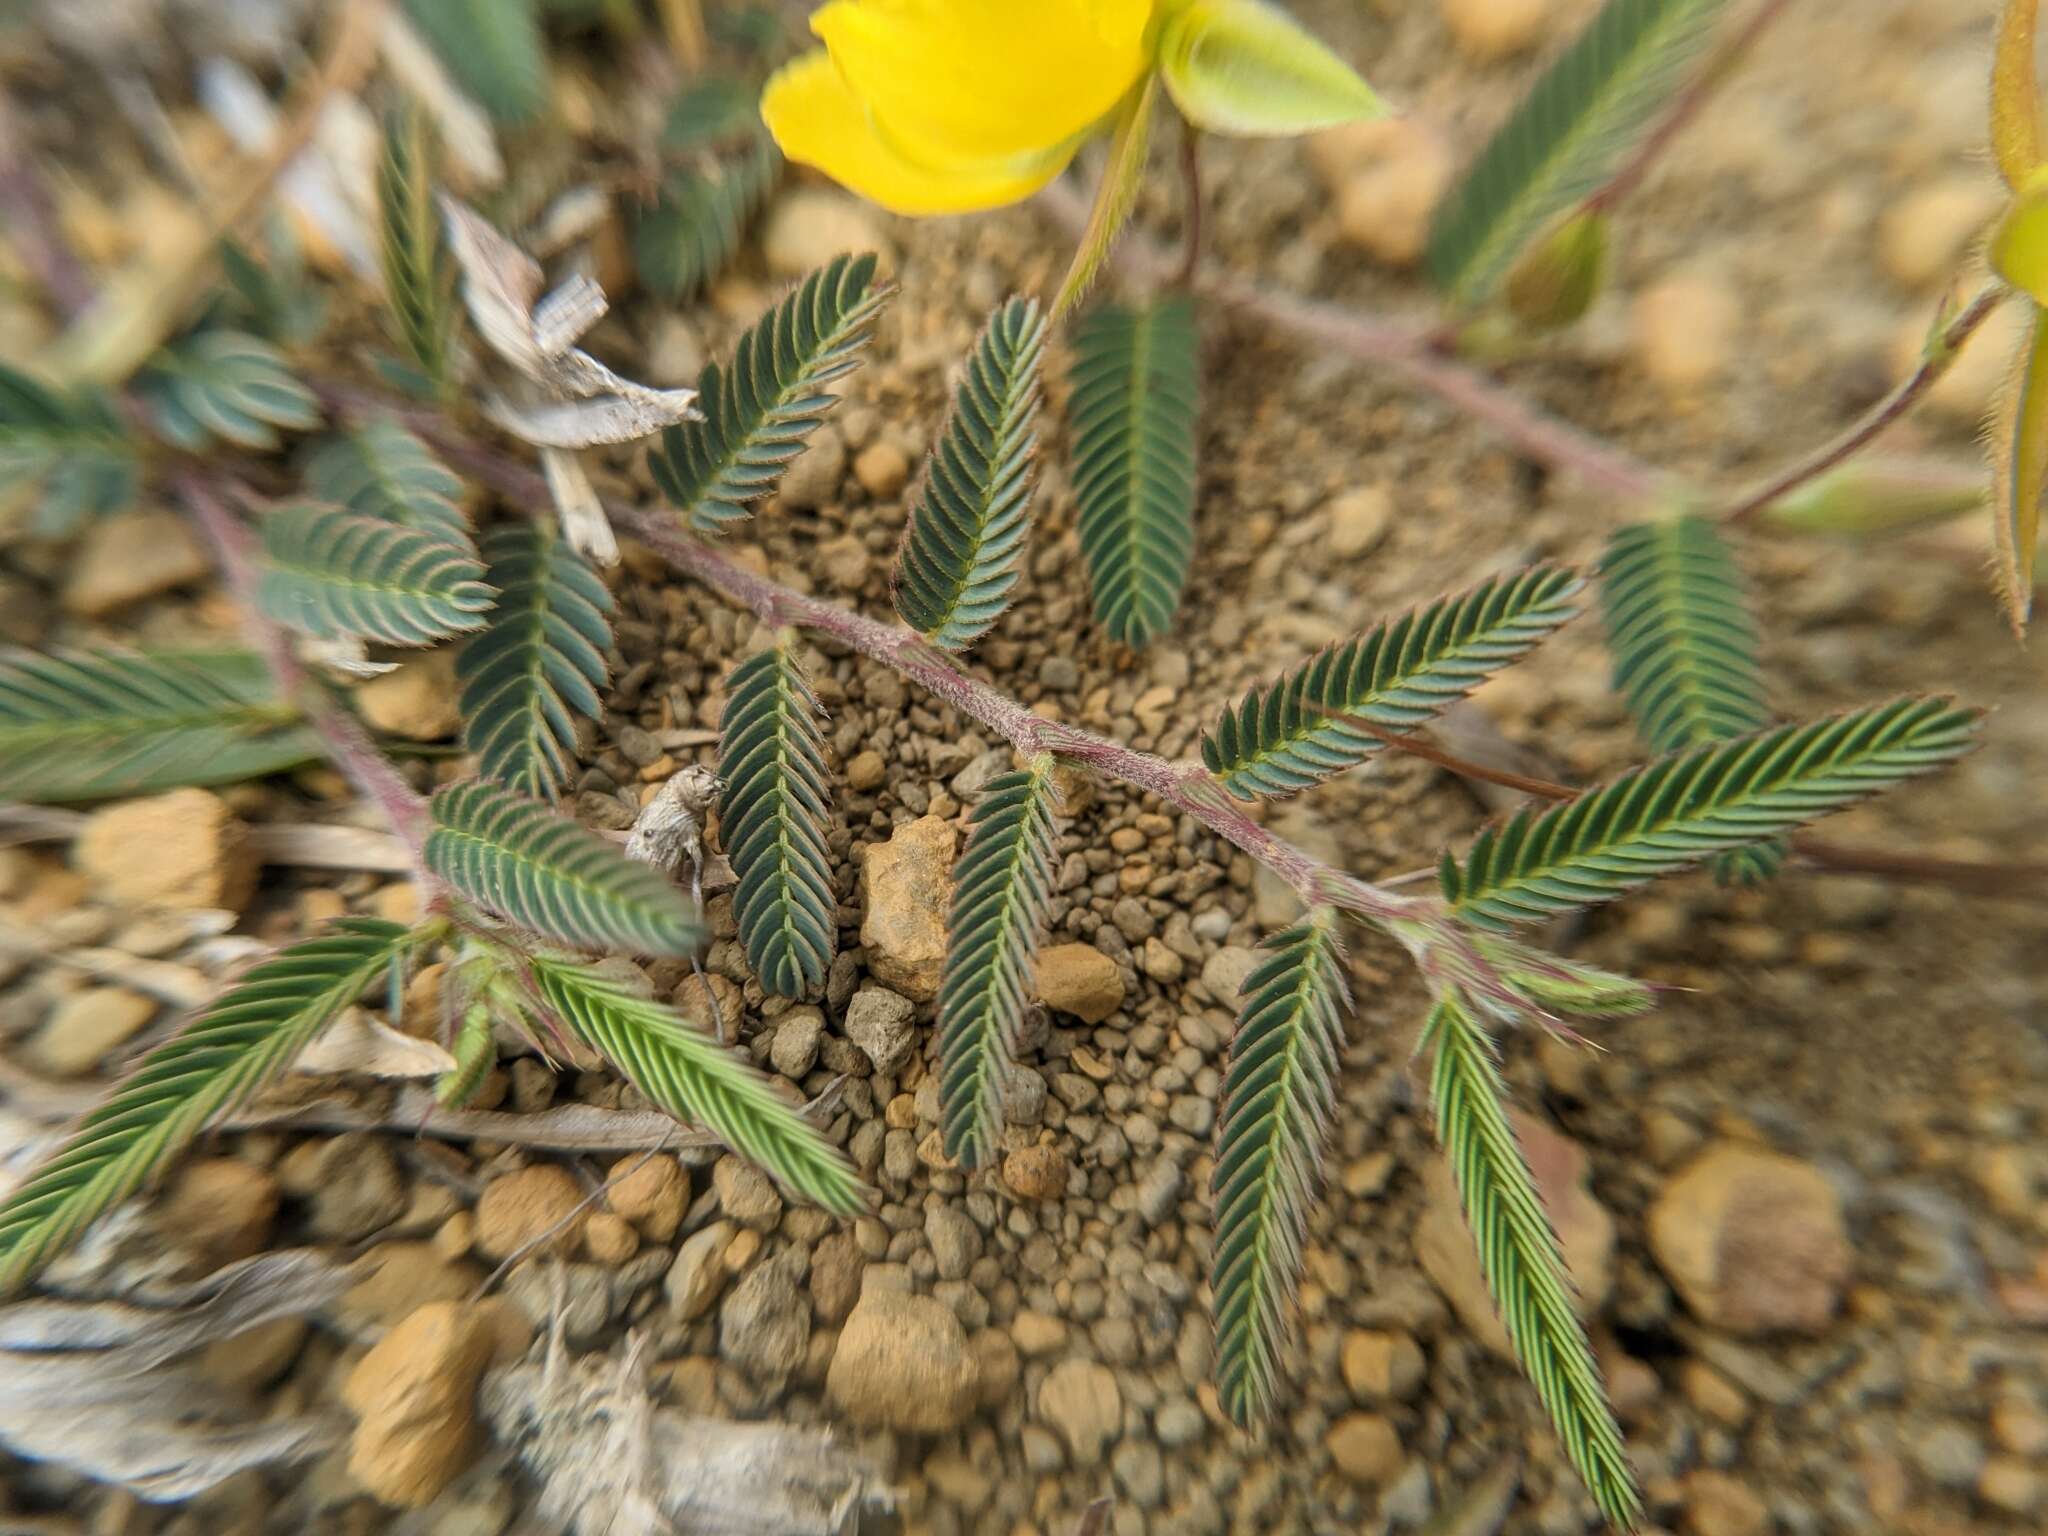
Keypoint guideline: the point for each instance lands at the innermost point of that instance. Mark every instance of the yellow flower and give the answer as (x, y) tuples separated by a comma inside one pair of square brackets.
[(949, 106), (946, 106)]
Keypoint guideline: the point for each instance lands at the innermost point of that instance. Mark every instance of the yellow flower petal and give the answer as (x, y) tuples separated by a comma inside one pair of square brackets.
[(979, 81), (818, 121)]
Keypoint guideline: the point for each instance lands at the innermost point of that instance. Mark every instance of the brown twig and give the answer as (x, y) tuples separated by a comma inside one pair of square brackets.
[(1687, 107), (1940, 354), (347, 743), (133, 313)]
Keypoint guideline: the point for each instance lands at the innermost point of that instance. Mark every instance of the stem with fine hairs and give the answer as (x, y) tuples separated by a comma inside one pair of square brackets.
[(1940, 355), (368, 769)]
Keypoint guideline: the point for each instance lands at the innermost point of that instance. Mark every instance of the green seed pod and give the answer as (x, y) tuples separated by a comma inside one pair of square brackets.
[(1558, 277)]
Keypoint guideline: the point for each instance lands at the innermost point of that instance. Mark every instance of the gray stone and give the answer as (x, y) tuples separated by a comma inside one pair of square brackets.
[(1080, 1399), (583, 1297), (699, 1272), (881, 1023), (955, 1241), (795, 1048), (746, 1194), (1139, 1473), (766, 1321)]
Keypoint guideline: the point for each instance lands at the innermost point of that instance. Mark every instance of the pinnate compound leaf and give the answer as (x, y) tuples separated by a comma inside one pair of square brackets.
[(773, 816), (1245, 67), (1681, 810), (381, 470), (694, 226), (1280, 739), (71, 445), (336, 575), (1133, 416), (224, 384), (680, 1067), (965, 540), (90, 725), (1564, 140), (1685, 648), (758, 411), (1002, 887), (493, 48), (539, 661), (419, 273), (241, 1041), (516, 857), (2016, 94), (1277, 1095), (2019, 468), (1521, 1257)]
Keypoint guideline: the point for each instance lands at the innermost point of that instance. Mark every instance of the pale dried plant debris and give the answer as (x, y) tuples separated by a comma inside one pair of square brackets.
[(358, 1045), (463, 127), (89, 1385), (611, 1463)]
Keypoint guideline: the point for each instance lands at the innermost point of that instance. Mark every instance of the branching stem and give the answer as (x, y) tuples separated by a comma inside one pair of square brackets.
[(1940, 355)]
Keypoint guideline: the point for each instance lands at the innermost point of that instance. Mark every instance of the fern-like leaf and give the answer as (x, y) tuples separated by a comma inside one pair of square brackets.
[(1680, 810), (515, 857), (381, 470), (693, 228), (712, 111), (90, 725), (493, 48), (680, 1067), (1565, 138), (540, 660), (71, 446), (773, 814), (1276, 1108), (1685, 647), (965, 539), (236, 1045), (334, 575), (1002, 887), (1520, 1254), (1283, 738), (758, 412), (419, 273), (224, 384), (1134, 380)]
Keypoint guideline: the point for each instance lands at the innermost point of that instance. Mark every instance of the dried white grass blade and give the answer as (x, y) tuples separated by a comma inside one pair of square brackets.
[(500, 285), (584, 524), (572, 308), (357, 1045)]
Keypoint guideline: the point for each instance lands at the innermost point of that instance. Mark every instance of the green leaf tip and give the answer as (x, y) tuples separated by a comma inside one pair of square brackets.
[(1312, 723), (774, 818), (964, 543), (1277, 1097), (758, 411), (1683, 809), (1521, 1257), (1002, 888), (1133, 416), (515, 857)]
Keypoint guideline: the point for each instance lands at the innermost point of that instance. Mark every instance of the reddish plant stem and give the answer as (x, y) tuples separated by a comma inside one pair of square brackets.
[(30, 219), (348, 744), (1688, 106), (1186, 787), (1191, 191), (1881, 415)]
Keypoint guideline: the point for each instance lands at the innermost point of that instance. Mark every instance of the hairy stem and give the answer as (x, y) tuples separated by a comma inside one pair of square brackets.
[(1686, 108), (1940, 354), (347, 742)]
